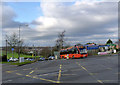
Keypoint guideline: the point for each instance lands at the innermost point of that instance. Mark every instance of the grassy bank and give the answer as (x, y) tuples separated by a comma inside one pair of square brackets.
[(17, 63), (15, 55)]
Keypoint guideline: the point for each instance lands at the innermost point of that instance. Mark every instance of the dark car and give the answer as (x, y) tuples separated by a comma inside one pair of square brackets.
[(41, 59), (51, 58)]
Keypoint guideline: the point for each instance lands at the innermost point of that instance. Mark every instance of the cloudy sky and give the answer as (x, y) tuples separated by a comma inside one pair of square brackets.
[(83, 21)]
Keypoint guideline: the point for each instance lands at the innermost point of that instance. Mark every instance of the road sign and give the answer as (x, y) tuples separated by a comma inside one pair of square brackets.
[(12, 49), (21, 59)]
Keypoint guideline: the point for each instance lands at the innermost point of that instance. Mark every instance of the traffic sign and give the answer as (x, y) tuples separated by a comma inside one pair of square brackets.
[(12, 49)]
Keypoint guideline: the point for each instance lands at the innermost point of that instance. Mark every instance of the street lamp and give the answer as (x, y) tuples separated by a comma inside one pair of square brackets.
[(6, 47), (19, 39)]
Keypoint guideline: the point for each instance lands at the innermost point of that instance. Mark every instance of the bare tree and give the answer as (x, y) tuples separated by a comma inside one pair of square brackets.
[(78, 44), (46, 52), (60, 41), (13, 41)]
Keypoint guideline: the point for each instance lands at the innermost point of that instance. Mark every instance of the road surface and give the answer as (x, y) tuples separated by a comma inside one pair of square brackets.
[(94, 69)]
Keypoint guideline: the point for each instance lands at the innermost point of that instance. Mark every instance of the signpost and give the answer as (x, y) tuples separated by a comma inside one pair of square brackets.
[(56, 54), (12, 52)]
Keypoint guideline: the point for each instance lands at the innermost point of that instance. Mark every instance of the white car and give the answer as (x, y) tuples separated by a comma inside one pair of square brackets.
[(13, 59), (51, 58)]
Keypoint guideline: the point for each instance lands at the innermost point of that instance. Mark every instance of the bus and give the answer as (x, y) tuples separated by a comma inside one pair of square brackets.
[(74, 52)]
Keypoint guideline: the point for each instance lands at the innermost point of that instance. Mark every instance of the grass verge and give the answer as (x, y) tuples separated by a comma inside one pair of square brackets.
[(17, 63), (15, 55)]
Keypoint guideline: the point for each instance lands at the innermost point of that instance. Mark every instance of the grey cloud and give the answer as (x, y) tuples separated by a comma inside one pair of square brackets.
[(81, 18), (8, 16), (85, 23), (45, 37), (36, 23)]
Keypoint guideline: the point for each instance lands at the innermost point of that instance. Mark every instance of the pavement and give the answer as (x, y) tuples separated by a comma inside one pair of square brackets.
[(94, 69)]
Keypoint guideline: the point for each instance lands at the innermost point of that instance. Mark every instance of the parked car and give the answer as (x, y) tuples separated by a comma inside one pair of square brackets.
[(51, 58), (30, 59), (13, 59), (41, 59)]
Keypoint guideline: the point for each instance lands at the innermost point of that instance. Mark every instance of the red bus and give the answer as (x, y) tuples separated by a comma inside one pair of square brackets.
[(74, 52)]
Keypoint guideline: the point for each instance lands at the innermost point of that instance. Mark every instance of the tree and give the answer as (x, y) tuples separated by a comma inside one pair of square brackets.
[(90, 43), (78, 44), (109, 42), (46, 52), (13, 41), (60, 41), (67, 46)]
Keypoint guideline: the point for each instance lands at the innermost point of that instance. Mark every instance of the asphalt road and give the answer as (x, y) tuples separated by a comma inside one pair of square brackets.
[(94, 69)]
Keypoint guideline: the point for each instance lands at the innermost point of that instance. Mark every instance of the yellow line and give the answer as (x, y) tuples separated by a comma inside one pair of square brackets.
[(28, 75), (99, 81), (43, 79), (43, 75), (31, 72), (84, 68), (27, 69), (18, 74), (89, 73), (92, 73), (59, 76), (35, 77), (68, 74), (9, 71), (108, 80), (49, 80), (109, 68)]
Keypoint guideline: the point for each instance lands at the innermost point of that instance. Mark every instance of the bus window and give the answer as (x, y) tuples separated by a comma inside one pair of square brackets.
[(76, 51)]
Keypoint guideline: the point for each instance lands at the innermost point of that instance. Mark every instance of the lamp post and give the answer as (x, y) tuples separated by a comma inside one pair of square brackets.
[(19, 39), (6, 47), (51, 50)]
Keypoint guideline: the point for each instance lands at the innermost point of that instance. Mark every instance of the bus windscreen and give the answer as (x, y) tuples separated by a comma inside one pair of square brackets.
[(83, 50)]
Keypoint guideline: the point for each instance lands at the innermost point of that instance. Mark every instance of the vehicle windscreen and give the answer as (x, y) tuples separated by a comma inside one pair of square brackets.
[(83, 50)]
